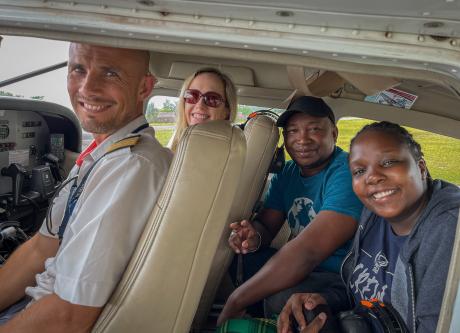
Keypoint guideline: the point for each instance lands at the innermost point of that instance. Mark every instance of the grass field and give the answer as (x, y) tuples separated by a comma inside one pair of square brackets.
[(163, 136), (442, 153)]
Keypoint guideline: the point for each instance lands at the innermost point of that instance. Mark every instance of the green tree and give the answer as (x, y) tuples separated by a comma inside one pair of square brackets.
[(6, 93), (169, 106), (245, 110), (151, 112), (40, 98)]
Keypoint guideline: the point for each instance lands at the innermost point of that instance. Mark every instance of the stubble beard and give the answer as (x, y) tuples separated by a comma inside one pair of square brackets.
[(96, 127)]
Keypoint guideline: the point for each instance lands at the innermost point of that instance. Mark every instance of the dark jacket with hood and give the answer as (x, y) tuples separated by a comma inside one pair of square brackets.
[(423, 263)]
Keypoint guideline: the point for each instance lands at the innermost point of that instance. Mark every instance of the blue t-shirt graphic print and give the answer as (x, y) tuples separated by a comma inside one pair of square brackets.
[(302, 210)]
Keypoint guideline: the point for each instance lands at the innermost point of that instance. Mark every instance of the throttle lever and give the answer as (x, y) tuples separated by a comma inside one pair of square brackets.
[(18, 173)]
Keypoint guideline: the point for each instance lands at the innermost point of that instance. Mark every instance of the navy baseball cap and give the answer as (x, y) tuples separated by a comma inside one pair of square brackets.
[(310, 105)]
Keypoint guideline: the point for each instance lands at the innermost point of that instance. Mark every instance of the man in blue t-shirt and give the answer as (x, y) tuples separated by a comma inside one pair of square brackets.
[(314, 194)]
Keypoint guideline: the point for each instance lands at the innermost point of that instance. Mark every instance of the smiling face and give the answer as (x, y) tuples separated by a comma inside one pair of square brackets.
[(310, 141), (387, 179), (107, 86), (200, 112)]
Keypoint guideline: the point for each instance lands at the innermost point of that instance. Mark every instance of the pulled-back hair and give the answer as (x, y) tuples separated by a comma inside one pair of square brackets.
[(398, 132)]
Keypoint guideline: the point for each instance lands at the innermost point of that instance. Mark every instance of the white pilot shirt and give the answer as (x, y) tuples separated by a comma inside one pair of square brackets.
[(107, 221)]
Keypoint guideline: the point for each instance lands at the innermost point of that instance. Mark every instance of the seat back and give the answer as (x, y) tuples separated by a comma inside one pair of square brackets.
[(163, 282), (262, 137)]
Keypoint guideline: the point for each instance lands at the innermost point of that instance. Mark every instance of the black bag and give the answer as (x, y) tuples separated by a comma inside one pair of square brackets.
[(367, 317)]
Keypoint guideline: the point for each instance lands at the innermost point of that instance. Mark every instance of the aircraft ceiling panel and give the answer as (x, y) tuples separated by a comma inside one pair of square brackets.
[(408, 16)]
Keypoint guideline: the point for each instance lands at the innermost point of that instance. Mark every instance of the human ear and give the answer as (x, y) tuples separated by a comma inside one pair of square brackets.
[(146, 86), (423, 168), (335, 133)]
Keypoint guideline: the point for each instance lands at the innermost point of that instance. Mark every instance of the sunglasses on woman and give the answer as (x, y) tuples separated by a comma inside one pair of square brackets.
[(211, 99)]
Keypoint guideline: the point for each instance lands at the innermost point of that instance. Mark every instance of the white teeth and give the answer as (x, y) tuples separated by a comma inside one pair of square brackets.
[(200, 116), (383, 194), (93, 107)]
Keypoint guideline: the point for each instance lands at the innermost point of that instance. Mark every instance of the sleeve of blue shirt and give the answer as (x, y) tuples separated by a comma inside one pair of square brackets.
[(274, 197), (338, 193)]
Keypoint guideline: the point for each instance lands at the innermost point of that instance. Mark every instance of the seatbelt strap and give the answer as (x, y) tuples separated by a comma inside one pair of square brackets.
[(75, 191)]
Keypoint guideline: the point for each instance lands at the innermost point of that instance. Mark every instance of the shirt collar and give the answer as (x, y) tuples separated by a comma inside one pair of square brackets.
[(100, 150)]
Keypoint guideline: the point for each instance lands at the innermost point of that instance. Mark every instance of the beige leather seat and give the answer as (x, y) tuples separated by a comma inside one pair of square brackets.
[(262, 137), (163, 282)]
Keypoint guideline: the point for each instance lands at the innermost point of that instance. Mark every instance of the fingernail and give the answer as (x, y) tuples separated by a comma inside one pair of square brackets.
[(322, 316)]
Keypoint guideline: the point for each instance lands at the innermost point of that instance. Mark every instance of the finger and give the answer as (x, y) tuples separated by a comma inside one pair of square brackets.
[(297, 311), (247, 224), (245, 247), (235, 242), (313, 300), (248, 245), (235, 226), (235, 248), (284, 322), (316, 324)]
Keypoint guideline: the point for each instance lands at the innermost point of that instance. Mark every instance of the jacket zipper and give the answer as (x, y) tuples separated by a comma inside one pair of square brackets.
[(412, 296), (349, 295), (352, 251), (343, 264)]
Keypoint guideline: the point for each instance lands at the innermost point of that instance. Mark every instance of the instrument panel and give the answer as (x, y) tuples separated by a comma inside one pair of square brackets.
[(24, 139)]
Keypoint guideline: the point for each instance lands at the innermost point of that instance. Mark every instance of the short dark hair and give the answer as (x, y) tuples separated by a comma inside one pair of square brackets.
[(399, 132)]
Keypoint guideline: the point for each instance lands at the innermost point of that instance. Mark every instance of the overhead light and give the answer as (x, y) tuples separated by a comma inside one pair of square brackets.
[(284, 13), (147, 3), (433, 25)]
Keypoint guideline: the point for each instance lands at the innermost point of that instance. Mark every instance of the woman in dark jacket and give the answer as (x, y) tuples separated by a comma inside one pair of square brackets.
[(401, 251)]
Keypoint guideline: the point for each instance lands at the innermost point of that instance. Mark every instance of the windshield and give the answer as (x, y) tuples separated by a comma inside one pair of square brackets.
[(20, 55), (30, 54)]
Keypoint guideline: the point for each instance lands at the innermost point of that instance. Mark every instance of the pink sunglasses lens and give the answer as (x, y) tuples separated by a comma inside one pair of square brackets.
[(211, 99), (192, 96)]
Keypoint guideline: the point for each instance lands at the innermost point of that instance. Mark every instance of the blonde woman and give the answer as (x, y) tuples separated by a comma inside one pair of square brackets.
[(206, 95)]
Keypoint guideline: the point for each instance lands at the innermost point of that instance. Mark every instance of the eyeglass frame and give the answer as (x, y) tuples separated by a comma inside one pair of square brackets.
[(221, 99)]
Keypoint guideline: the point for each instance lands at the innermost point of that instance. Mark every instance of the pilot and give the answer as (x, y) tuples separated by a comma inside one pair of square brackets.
[(208, 94), (60, 279), (313, 193)]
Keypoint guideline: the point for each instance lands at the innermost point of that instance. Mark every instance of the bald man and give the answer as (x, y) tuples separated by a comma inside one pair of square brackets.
[(60, 279)]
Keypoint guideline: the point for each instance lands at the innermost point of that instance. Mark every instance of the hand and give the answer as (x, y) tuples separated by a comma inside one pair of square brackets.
[(244, 237), (230, 311), (294, 309), (316, 324)]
